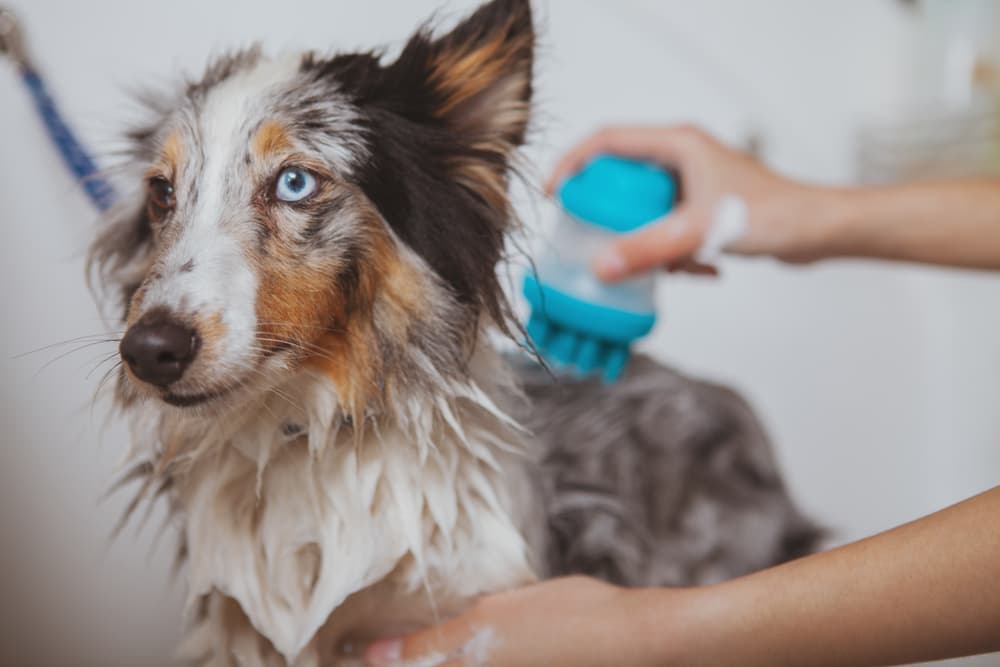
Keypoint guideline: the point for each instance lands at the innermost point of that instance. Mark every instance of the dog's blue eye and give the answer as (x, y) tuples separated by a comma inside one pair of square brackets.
[(295, 184)]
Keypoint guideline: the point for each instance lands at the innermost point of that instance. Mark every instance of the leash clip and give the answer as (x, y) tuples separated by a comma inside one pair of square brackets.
[(11, 40)]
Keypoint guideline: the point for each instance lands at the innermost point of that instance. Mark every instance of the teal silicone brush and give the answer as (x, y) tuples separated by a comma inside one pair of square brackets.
[(577, 322)]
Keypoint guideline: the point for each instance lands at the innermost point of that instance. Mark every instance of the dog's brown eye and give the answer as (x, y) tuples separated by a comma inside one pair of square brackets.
[(161, 193)]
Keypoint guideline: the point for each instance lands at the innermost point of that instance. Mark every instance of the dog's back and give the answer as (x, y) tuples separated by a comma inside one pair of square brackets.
[(659, 479)]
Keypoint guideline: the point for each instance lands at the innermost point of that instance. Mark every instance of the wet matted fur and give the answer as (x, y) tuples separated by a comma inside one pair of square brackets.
[(325, 414), (658, 479)]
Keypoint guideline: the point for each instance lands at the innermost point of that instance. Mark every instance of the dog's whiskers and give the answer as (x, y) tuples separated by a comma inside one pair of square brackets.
[(299, 325), (278, 392), (79, 348), (300, 346), (101, 385), (100, 359), (94, 338)]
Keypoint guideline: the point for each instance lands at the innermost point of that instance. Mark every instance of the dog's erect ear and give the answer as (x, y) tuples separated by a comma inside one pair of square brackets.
[(475, 81), (477, 78)]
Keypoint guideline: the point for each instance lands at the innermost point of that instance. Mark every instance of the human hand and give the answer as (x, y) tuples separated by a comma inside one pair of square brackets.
[(776, 216), (571, 622)]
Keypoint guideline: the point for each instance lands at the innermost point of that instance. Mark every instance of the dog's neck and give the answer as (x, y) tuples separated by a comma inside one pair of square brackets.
[(288, 508)]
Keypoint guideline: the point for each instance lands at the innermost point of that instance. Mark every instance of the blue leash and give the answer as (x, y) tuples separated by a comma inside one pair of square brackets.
[(76, 158)]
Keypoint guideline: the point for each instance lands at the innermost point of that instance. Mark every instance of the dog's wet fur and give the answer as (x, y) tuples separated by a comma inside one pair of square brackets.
[(311, 385)]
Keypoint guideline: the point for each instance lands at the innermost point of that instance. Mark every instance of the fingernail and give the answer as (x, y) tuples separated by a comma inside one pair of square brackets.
[(384, 652), (609, 264)]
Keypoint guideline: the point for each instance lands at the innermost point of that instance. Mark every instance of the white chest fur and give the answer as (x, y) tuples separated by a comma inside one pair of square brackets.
[(322, 536)]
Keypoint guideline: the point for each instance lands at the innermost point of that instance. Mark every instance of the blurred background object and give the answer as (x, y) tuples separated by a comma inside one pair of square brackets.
[(878, 382), (948, 123), (11, 41)]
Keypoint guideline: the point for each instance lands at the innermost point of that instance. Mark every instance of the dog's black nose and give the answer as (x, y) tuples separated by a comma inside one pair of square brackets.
[(159, 351)]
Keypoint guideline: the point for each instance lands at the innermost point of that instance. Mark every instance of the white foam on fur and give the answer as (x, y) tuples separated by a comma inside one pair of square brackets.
[(474, 653)]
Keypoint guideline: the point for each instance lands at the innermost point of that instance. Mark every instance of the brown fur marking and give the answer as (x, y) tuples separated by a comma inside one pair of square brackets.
[(347, 353), (170, 159), (301, 304), (271, 139), (212, 331), (173, 152)]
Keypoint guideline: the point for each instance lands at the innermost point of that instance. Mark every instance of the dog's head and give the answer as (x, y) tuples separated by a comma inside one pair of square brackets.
[(343, 213)]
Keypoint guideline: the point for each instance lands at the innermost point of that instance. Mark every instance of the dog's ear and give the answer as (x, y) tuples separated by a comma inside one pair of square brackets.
[(476, 79), (474, 83)]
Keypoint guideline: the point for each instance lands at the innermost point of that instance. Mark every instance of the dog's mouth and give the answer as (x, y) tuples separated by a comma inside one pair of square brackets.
[(180, 400), (191, 400)]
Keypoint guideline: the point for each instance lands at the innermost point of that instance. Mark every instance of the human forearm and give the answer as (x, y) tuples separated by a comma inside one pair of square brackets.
[(930, 589), (926, 590), (953, 224)]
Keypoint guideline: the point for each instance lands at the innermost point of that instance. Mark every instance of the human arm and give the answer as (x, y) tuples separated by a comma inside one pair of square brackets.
[(948, 223), (927, 590)]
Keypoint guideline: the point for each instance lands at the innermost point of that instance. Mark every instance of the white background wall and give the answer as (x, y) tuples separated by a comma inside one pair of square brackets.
[(880, 384)]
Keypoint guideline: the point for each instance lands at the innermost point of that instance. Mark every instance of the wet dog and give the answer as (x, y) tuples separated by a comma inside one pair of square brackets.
[(308, 272)]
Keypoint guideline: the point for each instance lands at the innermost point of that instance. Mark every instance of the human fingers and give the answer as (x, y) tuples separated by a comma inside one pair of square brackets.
[(664, 145), (673, 239)]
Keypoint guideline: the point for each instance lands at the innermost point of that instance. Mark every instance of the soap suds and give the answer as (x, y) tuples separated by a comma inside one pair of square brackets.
[(729, 224), (474, 653)]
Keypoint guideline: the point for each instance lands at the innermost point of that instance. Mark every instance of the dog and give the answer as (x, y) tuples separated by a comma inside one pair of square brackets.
[(307, 266)]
